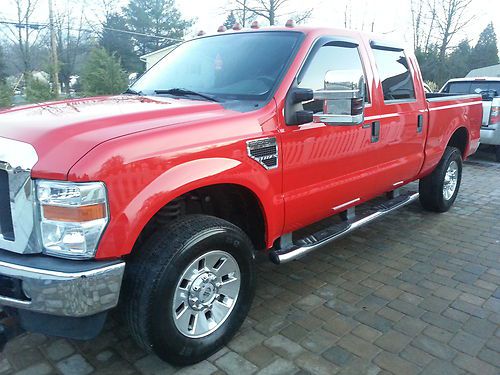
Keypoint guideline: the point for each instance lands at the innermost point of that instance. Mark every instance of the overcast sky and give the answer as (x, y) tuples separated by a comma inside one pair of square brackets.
[(391, 17)]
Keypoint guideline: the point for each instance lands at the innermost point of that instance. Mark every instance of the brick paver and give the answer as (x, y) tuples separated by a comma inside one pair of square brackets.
[(415, 293)]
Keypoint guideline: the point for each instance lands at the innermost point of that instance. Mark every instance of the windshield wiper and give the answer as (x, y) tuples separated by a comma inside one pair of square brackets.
[(133, 92), (186, 92)]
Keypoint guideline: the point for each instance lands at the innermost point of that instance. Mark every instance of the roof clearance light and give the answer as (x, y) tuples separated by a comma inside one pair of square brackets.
[(237, 26), (290, 23), (221, 29), (255, 25), (201, 33)]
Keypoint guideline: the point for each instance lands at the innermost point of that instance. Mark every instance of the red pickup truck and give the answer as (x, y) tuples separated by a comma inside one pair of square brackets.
[(156, 200)]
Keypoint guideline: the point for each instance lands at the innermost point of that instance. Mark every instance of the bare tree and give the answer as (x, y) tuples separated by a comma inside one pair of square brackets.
[(24, 34), (451, 17), (431, 23), (301, 17), (348, 15), (72, 40), (242, 13), (271, 10), (417, 14)]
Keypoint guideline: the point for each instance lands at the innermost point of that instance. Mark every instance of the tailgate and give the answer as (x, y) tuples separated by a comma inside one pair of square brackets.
[(486, 112)]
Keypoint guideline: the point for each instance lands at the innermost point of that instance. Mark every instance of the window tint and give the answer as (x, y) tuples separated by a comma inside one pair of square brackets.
[(472, 87), (328, 57), (397, 82)]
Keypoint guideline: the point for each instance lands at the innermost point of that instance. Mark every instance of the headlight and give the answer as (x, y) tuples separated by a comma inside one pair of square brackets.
[(73, 217)]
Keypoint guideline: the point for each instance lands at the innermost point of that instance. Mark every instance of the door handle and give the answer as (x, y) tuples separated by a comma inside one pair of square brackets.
[(375, 131), (420, 123)]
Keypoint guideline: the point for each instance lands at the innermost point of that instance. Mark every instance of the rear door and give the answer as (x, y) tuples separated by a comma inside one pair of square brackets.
[(402, 116)]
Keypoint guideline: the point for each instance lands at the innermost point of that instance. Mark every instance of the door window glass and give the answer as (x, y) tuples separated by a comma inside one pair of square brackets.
[(397, 82), (328, 57)]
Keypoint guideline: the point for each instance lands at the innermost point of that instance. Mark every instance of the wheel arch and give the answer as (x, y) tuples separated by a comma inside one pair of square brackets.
[(223, 178), (460, 140), (232, 202), (458, 137)]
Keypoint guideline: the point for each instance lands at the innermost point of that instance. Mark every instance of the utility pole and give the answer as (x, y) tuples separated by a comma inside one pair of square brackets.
[(53, 46)]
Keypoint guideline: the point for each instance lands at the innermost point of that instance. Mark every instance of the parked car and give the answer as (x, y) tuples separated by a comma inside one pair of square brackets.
[(427, 88), (158, 198), (489, 88)]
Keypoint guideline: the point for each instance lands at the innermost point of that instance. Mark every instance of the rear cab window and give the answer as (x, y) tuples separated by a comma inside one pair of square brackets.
[(472, 87), (395, 75)]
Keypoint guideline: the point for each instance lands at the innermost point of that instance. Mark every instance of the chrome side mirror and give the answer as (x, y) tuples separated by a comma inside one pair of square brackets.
[(343, 98)]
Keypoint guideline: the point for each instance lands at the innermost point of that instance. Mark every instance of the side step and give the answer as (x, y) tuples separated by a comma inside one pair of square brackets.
[(310, 243)]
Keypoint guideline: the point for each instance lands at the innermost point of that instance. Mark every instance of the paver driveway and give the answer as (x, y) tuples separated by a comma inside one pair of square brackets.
[(414, 293)]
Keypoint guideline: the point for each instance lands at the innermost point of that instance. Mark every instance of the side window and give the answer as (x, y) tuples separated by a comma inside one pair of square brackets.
[(328, 57), (397, 82)]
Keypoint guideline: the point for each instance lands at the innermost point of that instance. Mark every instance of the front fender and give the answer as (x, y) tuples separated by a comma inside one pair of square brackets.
[(131, 209)]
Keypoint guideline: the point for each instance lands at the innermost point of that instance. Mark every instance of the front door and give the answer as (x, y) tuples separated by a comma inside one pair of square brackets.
[(328, 168)]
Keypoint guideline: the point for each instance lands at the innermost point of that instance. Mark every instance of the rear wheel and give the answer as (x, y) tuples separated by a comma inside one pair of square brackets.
[(439, 190), (190, 288), (497, 153)]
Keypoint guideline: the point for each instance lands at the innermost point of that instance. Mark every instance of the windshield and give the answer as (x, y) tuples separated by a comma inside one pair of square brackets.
[(244, 66), (473, 87)]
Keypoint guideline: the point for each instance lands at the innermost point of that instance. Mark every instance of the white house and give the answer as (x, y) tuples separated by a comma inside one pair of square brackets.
[(152, 58)]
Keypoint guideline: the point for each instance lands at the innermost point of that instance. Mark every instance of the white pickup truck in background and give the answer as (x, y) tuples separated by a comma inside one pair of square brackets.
[(489, 88)]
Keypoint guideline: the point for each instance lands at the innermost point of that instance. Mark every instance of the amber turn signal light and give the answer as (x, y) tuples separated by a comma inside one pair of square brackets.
[(74, 214)]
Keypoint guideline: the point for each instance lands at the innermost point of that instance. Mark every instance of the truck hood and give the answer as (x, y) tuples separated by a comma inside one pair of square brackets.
[(63, 132)]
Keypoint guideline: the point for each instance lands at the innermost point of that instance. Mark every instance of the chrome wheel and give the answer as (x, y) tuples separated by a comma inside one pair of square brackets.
[(206, 294), (450, 180)]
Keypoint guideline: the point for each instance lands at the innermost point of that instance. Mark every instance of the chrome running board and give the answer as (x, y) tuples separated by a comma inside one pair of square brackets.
[(312, 242)]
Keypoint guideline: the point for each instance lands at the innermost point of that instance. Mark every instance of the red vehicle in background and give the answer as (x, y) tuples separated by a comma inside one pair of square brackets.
[(158, 198)]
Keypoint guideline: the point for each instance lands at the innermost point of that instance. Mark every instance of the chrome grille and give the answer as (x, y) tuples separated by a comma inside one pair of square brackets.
[(6, 227), (17, 217)]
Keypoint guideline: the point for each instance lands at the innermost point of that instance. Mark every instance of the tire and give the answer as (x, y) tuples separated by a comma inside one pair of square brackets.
[(497, 154), (433, 195), (155, 278)]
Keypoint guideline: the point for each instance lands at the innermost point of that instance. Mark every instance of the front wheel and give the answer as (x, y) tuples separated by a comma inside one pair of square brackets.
[(189, 289), (439, 190)]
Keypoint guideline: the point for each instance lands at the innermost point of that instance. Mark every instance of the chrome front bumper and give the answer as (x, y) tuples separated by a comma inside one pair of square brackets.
[(59, 287)]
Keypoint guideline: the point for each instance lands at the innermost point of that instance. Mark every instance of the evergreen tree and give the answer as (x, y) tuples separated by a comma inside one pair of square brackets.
[(428, 61), (155, 18), (5, 95), (459, 62), (230, 20), (102, 74), (486, 50), (120, 44), (3, 66), (38, 91)]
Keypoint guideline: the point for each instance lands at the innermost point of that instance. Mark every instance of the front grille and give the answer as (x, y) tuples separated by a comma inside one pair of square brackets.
[(17, 211), (6, 226)]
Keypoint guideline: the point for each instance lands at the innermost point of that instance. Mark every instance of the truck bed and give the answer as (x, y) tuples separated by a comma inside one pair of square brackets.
[(446, 113)]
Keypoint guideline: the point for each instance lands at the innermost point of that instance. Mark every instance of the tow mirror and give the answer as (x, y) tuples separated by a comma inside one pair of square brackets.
[(295, 113), (304, 117), (343, 98), (302, 95)]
